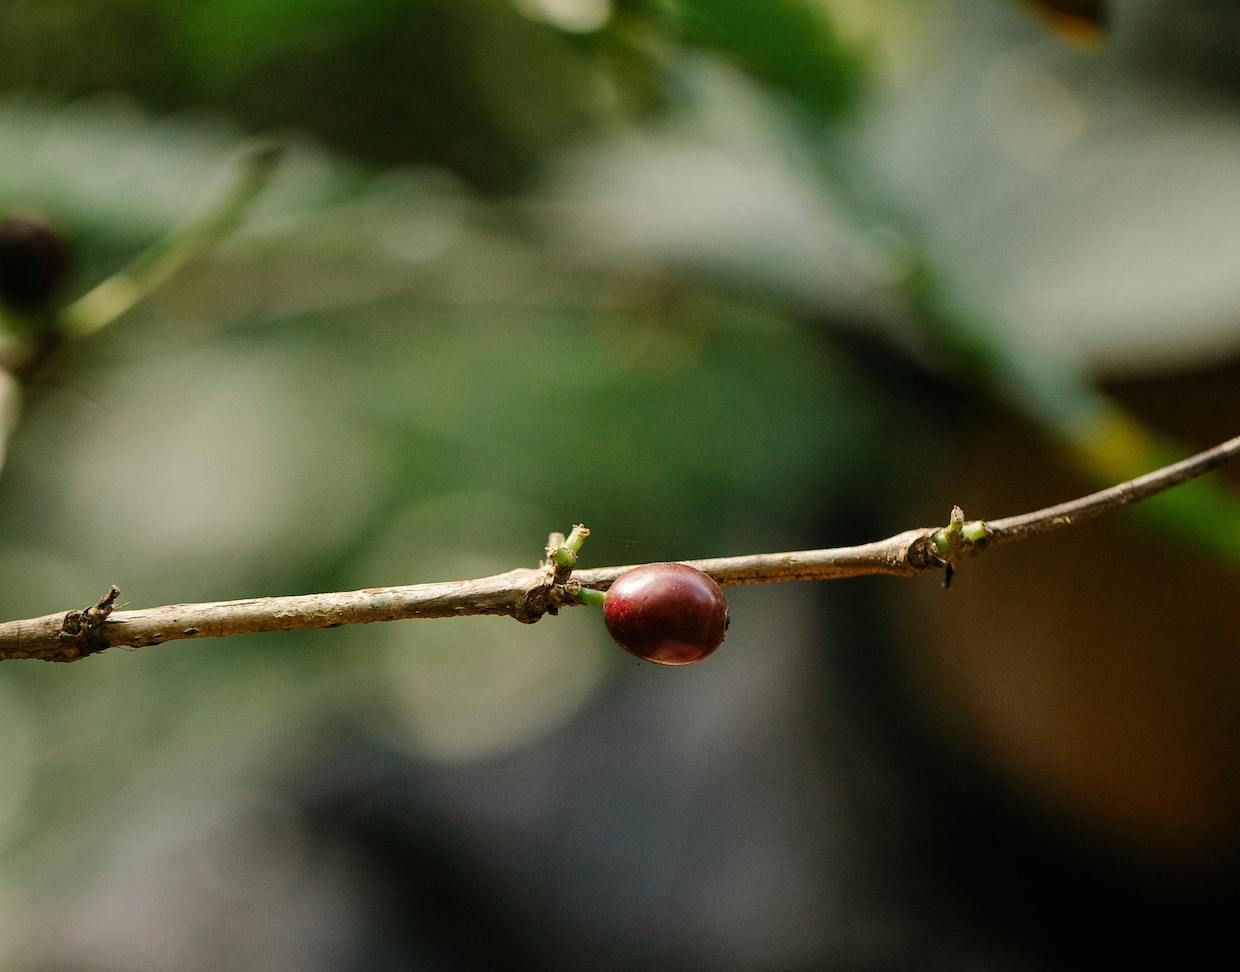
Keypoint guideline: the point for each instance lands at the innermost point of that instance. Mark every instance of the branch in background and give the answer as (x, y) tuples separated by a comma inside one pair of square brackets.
[(112, 298), (46, 327), (528, 594), (115, 296)]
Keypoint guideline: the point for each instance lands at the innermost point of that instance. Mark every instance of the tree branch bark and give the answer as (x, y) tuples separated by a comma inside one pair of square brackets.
[(527, 594)]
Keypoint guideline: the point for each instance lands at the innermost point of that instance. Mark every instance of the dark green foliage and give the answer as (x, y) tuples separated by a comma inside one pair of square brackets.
[(789, 44)]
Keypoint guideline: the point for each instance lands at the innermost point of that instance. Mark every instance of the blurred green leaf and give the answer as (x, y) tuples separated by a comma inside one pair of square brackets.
[(789, 44), (228, 37)]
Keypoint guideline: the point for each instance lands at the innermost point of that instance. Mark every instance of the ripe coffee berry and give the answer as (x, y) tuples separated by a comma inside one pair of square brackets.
[(669, 614), (34, 261)]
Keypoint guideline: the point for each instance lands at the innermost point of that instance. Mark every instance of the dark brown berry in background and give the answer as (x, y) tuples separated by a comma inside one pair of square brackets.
[(669, 614), (34, 261)]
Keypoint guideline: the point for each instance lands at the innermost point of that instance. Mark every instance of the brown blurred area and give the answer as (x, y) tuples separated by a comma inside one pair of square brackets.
[(1093, 670)]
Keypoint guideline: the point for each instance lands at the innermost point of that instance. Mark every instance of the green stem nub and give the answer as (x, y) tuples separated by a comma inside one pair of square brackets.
[(576, 538), (975, 530), (564, 555), (588, 595), (948, 541)]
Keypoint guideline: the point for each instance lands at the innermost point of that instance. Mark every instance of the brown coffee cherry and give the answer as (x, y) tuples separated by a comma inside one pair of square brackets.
[(669, 614)]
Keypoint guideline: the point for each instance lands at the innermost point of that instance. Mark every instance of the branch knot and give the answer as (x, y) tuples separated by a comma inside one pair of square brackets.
[(80, 630)]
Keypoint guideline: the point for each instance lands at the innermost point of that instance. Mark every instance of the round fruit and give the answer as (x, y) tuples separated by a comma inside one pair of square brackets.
[(34, 261), (669, 614)]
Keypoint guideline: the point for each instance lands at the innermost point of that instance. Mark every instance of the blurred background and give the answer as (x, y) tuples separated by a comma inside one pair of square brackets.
[(713, 277)]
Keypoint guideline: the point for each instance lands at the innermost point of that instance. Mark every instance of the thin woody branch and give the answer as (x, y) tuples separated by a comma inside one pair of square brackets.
[(528, 594), (1134, 490)]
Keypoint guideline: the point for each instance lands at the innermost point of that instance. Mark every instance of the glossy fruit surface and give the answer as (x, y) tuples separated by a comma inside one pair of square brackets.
[(669, 614)]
